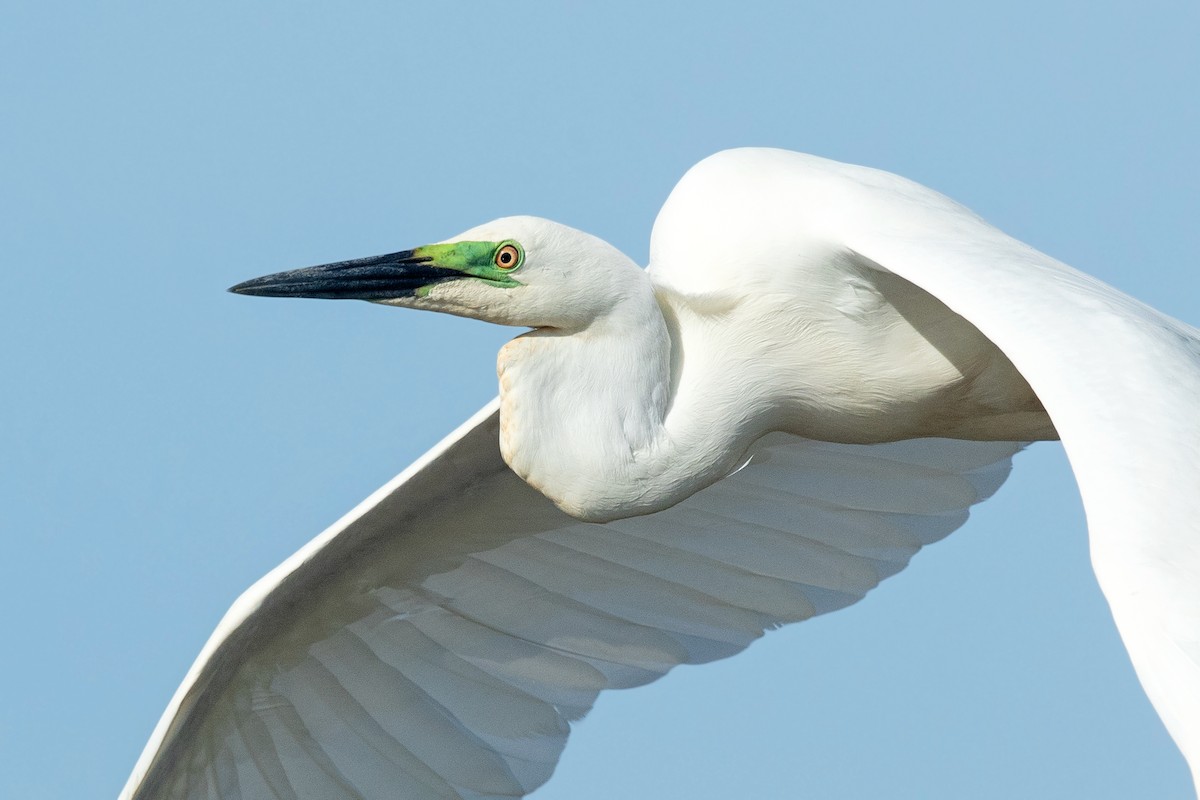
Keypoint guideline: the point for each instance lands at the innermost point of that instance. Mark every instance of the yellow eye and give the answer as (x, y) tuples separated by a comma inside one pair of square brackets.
[(507, 257)]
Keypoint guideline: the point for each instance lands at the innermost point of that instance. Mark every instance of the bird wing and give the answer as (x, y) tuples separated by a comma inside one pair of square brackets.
[(438, 641), (1120, 381)]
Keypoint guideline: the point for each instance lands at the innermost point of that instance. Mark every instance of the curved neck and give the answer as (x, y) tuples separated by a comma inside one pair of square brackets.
[(599, 420)]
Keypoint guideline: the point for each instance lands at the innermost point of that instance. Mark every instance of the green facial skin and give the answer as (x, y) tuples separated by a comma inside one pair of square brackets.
[(476, 259)]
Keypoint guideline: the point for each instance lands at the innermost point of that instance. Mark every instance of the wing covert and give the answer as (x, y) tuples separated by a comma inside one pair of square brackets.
[(1118, 379)]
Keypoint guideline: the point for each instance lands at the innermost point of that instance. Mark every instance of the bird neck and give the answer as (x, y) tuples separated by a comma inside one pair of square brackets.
[(599, 421)]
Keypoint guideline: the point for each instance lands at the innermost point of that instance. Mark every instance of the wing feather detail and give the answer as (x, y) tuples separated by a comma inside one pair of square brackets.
[(439, 641)]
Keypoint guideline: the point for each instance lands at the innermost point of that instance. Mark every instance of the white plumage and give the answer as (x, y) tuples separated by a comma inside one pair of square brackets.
[(765, 389)]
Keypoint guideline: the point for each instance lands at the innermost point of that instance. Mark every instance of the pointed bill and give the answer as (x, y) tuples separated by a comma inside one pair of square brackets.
[(402, 274)]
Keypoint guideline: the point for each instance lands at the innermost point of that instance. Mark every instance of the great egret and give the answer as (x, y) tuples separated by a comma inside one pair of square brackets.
[(737, 437)]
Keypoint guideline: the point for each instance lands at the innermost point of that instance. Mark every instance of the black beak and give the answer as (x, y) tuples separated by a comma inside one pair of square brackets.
[(376, 278)]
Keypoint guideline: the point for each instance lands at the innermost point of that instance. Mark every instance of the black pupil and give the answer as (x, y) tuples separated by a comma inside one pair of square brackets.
[(505, 257)]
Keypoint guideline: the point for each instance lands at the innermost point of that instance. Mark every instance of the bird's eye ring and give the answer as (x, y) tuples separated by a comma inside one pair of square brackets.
[(508, 257)]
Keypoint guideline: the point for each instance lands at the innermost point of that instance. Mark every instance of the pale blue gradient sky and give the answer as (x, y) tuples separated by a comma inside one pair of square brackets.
[(165, 443)]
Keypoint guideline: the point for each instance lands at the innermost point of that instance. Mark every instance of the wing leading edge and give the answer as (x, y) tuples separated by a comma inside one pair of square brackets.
[(1119, 379)]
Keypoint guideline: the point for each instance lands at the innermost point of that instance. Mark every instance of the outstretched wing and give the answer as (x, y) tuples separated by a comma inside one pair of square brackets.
[(438, 641), (1120, 381)]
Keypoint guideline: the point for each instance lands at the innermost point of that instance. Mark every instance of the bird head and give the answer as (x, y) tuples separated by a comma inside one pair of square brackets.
[(521, 271)]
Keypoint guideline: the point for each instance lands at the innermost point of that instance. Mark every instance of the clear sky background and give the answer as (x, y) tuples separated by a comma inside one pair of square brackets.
[(163, 443)]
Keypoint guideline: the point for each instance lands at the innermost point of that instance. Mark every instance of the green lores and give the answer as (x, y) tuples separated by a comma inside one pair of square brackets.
[(490, 262)]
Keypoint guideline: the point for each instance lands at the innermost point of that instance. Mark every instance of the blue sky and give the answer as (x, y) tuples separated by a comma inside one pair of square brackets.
[(165, 443)]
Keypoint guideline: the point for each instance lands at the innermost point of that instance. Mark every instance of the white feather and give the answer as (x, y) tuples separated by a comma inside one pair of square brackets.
[(804, 325)]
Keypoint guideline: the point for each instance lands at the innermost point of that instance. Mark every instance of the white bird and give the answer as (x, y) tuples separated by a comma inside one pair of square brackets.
[(823, 367)]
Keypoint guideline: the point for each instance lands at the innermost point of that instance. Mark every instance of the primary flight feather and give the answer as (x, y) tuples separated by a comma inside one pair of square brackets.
[(823, 367)]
